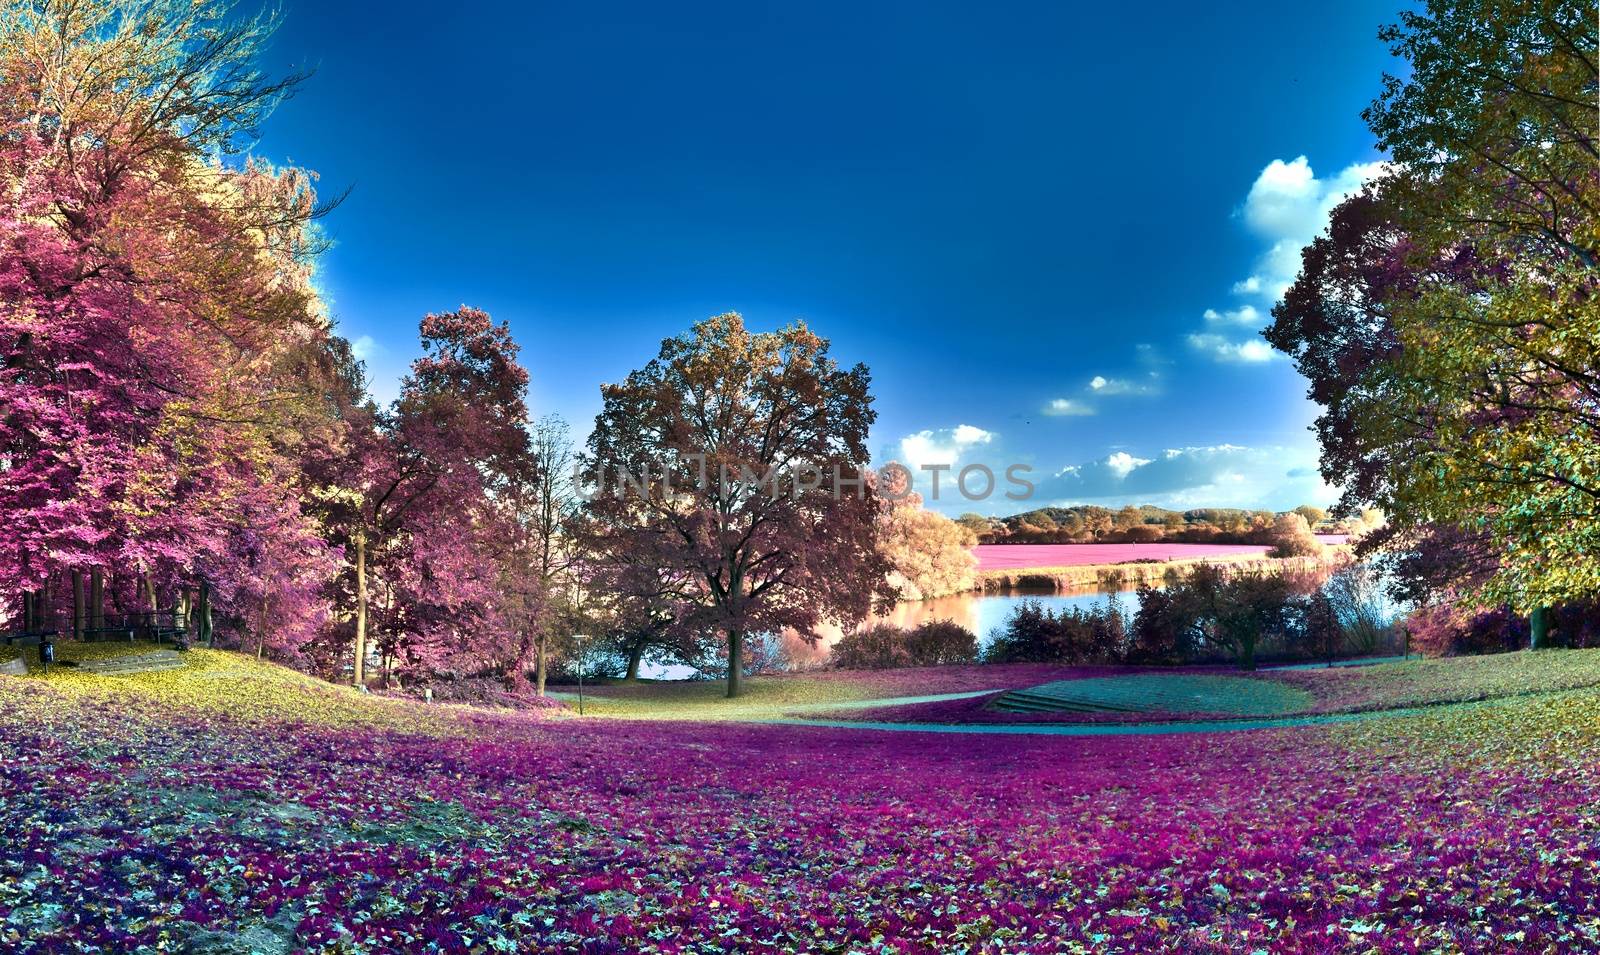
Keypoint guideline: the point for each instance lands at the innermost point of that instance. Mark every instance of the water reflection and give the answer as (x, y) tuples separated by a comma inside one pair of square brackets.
[(984, 612)]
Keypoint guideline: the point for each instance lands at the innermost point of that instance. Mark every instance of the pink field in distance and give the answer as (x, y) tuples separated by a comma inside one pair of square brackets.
[(1019, 556)]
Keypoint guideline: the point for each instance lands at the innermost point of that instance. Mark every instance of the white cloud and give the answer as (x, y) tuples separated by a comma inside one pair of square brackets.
[(1068, 408), (1245, 315), (365, 347), (1287, 207), (944, 446), (966, 434), (1221, 348), (1101, 385), (1219, 475), (1122, 463)]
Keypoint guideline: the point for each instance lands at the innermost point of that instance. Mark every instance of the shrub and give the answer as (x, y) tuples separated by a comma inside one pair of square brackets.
[(1291, 537), (942, 643), (885, 646), (1033, 634), (1356, 593), (1164, 631), (1445, 630)]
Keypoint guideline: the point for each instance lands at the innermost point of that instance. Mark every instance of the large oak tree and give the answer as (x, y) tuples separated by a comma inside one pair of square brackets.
[(734, 464)]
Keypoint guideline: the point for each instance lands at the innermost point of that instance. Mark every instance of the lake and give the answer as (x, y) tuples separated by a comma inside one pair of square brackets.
[(983, 612)]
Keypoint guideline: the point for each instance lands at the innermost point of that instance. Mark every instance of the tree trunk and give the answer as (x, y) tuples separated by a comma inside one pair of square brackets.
[(205, 633), (261, 631), (635, 654), (77, 604), (361, 610), (1247, 654), (735, 662), (1539, 624), (27, 598), (541, 662), (149, 585), (97, 599)]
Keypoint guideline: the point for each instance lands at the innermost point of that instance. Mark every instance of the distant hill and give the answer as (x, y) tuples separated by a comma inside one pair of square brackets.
[(1145, 522)]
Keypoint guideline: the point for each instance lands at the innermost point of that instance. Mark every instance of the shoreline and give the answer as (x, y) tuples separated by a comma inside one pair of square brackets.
[(1104, 576)]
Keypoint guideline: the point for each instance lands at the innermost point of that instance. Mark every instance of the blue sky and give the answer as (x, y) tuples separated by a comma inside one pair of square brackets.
[(1052, 233)]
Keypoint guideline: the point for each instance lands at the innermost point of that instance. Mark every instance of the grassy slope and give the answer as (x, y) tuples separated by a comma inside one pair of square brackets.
[(1449, 680), (1336, 690), (769, 696), (220, 683)]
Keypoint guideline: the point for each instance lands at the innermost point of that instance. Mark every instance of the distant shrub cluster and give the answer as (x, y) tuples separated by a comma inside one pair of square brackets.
[(885, 646), (1209, 616), (1144, 524), (1033, 634), (1448, 630)]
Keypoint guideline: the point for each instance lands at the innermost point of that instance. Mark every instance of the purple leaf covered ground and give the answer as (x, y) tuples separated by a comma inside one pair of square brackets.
[(155, 816)]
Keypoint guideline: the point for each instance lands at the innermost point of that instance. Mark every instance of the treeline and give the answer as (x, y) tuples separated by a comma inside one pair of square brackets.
[(188, 447), (1147, 523), (1209, 616)]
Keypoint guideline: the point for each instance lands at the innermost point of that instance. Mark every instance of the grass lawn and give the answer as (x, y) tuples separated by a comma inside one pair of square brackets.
[(1170, 695), (231, 806), (773, 696), (1177, 693), (1449, 680)]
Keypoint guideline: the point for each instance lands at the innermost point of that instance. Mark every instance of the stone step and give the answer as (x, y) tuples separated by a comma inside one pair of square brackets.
[(1025, 701), (1028, 704)]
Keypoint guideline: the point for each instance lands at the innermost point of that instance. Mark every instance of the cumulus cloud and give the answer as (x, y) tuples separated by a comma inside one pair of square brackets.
[(1249, 351), (1245, 315), (1101, 385), (1068, 408), (1286, 208), (1121, 463), (1220, 475), (943, 446)]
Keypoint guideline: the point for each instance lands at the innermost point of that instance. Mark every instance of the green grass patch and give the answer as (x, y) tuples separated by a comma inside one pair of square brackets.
[(1449, 680), (1176, 693), (762, 697)]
